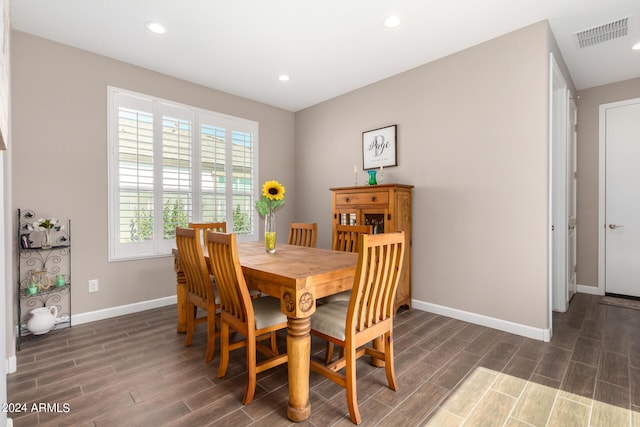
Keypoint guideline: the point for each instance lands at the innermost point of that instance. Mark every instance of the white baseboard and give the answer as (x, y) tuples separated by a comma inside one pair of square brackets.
[(479, 319), (592, 290), (12, 364), (92, 316)]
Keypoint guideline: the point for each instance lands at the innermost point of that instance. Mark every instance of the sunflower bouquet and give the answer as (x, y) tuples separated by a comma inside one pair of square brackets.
[(272, 197)]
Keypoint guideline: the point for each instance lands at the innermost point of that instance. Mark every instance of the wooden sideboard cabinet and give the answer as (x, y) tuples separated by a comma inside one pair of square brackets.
[(387, 208)]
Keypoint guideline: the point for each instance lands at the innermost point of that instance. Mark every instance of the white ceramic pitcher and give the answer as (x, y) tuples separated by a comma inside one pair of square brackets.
[(42, 320)]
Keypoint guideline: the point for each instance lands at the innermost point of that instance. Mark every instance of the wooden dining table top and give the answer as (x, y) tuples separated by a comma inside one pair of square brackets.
[(297, 267)]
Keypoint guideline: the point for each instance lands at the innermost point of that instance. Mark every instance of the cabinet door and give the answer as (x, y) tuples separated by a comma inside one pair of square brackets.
[(348, 217), (377, 218)]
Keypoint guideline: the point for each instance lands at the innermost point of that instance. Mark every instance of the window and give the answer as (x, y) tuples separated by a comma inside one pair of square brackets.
[(170, 164)]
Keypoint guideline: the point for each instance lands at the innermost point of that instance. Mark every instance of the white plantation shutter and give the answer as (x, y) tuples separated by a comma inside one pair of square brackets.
[(176, 171), (243, 185), (213, 203), (135, 162), (170, 164)]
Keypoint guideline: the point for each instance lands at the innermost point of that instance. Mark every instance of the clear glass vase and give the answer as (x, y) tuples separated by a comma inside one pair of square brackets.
[(47, 242), (270, 232)]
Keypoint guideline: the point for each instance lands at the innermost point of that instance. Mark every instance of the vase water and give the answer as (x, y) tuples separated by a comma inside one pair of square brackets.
[(270, 232)]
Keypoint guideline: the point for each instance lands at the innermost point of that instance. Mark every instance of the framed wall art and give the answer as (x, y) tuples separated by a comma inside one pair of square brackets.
[(379, 147)]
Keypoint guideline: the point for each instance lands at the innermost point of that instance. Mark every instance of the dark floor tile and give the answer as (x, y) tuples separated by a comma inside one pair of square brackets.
[(587, 351), (498, 356), (409, 381), (554, 363), (634, 349), (532, 349), (483, 342), (431, 342), (565, 337), (580, 380), (455, 370), (612, 394), (412, 411), (444, 353), (469, 332), (634, 382), (592, 328), (614, 369), (135, 370), (520, 367), (432, 326), (615, 338)]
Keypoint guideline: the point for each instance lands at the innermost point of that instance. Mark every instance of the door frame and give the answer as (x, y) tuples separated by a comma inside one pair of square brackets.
[(572, 194), (558, 221), (602, 186)]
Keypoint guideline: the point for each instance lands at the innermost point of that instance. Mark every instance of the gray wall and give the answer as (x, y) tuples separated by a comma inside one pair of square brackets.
[(59, 120), (473, 140), (588, 139)]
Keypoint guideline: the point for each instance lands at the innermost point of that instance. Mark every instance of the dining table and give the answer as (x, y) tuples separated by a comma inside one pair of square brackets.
[(298, 276)]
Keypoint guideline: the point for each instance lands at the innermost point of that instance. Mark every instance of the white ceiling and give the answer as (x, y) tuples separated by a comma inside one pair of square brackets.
[(329, 47)]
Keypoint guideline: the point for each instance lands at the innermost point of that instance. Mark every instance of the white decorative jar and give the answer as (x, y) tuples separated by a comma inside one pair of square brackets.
[(42, 320)]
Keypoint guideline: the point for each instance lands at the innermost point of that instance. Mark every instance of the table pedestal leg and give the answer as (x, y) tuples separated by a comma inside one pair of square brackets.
[(378, 344), (299, 351)]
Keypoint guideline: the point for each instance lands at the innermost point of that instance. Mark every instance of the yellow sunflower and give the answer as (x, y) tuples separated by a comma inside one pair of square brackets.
[(272, 197), (273, 190)]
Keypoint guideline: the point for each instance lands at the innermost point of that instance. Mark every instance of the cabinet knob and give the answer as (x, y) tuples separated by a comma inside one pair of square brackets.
[(347, 200), (373, 199)]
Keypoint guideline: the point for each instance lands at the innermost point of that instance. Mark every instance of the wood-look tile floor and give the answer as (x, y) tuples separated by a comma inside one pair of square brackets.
[(134, 371)]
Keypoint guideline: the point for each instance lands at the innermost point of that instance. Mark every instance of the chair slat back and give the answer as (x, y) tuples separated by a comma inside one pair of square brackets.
[(203, 227), (232, 288), (347, 237), (193, 264), (303, 234), (377, 276)]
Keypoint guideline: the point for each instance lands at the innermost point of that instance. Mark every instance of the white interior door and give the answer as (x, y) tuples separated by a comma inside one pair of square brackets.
[(622, 192), (572, 178), (558, 139)]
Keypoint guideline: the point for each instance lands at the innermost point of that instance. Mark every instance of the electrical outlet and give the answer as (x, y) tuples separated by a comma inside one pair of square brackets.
[(93, 285)]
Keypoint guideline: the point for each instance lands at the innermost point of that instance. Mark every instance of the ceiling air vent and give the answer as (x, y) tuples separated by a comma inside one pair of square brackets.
[(603, 33)]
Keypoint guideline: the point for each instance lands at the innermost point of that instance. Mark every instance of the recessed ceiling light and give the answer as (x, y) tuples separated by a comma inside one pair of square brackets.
[(155, 27), (284, 77), (636, 46), (391, 21)]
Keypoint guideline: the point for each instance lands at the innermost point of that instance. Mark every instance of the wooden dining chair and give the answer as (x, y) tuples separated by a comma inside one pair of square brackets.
[(203, 227), (303, 234), (255, 319), (346, 237), (365, 317), (200, 289), (220, 227)]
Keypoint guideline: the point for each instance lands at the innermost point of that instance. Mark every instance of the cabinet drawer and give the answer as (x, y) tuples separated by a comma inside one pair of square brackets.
[(375, 198)]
